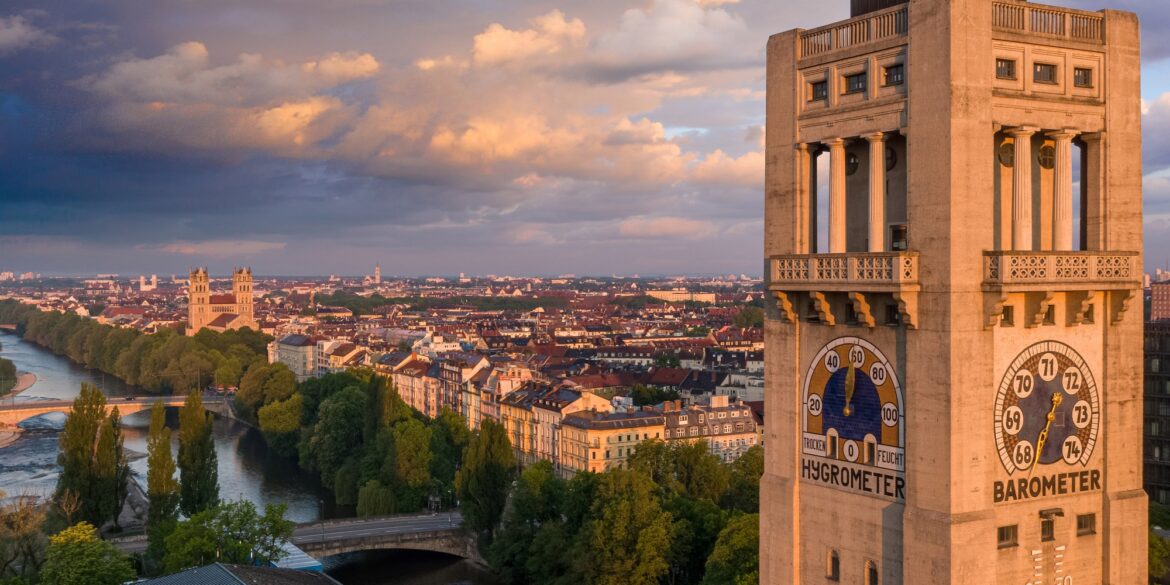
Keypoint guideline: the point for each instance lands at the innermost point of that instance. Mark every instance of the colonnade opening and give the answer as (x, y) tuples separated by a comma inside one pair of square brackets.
[(857, 195)]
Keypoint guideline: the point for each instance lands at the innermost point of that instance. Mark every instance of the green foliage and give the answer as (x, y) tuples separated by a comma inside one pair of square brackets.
[(744, 493), (637, 302), (7, 376), (77, 556), (233, 532), (482, 482), (536, 503), (651, 395), (162, 488), (93, 464), (736, 557), (281, 424), (22, 539), (627, 540), (337, 435), (667, 361), (412, 441), (1159, 555), (374, 499), (162, 362), (749, 316), (198, 464)]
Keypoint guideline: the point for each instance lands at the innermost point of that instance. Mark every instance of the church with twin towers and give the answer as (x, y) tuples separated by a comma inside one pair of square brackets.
[(953, 235), (219, 311)]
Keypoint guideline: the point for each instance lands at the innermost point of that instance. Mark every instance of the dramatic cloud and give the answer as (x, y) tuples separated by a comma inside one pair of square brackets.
[(550, 35), (435, 137), (17, 33)]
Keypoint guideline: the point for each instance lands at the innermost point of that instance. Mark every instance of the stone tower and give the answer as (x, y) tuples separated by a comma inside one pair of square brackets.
[(954, 348), (198, 300), (242, 290)]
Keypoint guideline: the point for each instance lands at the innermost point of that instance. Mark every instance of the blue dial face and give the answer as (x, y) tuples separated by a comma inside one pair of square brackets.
[(1047, 410), (853, 406)]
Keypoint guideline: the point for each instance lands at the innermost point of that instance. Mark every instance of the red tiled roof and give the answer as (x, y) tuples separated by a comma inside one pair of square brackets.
[(222, 299)]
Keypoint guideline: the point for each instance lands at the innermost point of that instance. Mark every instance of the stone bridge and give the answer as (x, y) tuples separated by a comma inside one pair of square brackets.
[(440, 533), (14, 413)]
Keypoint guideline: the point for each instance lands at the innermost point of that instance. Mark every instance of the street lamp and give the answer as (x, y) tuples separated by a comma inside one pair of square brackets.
[(321, 504)]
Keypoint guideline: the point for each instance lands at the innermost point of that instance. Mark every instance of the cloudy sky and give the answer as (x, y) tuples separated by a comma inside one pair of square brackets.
[(435, 137)]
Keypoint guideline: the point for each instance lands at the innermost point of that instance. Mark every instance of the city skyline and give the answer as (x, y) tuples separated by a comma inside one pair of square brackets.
[(530, 138)]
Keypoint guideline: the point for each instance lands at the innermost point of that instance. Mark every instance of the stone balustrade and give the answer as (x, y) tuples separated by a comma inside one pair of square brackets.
[(845, 272), (1062, 270), (870, 28), (1048, 21)]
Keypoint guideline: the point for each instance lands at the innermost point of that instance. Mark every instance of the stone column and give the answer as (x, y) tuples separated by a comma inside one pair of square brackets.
[(877, 192), (1022, 188), (806, 222), (836, 195), (1062, 204)]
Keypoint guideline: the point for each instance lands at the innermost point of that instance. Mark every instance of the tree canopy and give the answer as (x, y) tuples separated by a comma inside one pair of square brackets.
[(77, 556), (232, 532)]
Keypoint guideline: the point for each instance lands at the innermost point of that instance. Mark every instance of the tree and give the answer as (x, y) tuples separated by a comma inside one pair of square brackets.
[(198, 464), (744, 493), (233, 532), (281, 423), (250, 395), (162, 489), (449, 439), (374, 499), (750, 317), (338, 433), (736, 557), (7, 376), (22, 541), (281, 383), (536, 502), (482, 482), (1159, 555), (112, 468), (627, 540), (651, 395), (702, 474), (412, 441), (77, 556), (90, 457)]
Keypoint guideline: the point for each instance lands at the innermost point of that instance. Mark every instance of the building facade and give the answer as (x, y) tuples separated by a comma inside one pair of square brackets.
[(1157, 423), (1160, 301), (600, 441), (954, 355), (219, 311)]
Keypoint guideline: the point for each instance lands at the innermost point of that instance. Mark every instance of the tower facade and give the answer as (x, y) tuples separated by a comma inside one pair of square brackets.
[(242, 291), (198, 300), (954, 348)]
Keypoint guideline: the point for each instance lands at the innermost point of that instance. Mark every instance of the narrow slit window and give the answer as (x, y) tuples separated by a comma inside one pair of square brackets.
[(1047, 529), (833, 566)]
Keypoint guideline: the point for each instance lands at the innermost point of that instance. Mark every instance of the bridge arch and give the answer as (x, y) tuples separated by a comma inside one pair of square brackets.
[(453, 542)]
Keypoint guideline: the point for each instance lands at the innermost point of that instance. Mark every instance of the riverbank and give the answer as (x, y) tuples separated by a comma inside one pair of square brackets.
[(24, 381), (9, 436)]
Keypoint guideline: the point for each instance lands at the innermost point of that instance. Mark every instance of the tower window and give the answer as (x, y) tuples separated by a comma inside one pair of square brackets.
[(1083, 77), (820, 90), (1044, 73), (895, 74), (833, 566), (871, 573), (1086, 524), (855, 83), (1008, 536), (1007, 154), (1047, 529), (852, 163), (1046, 157), (1005, 68)]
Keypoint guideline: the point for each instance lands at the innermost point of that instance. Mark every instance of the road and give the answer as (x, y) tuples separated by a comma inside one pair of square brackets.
[(308, 534)]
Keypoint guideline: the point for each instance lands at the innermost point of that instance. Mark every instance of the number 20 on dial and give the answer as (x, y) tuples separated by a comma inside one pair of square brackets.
[(1046, 409)]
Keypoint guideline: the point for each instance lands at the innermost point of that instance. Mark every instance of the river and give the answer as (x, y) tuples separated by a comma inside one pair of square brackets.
[(247, 470)]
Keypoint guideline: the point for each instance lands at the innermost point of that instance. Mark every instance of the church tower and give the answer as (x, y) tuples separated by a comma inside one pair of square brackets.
[(198, 300), (242, 290), (954, 347)]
